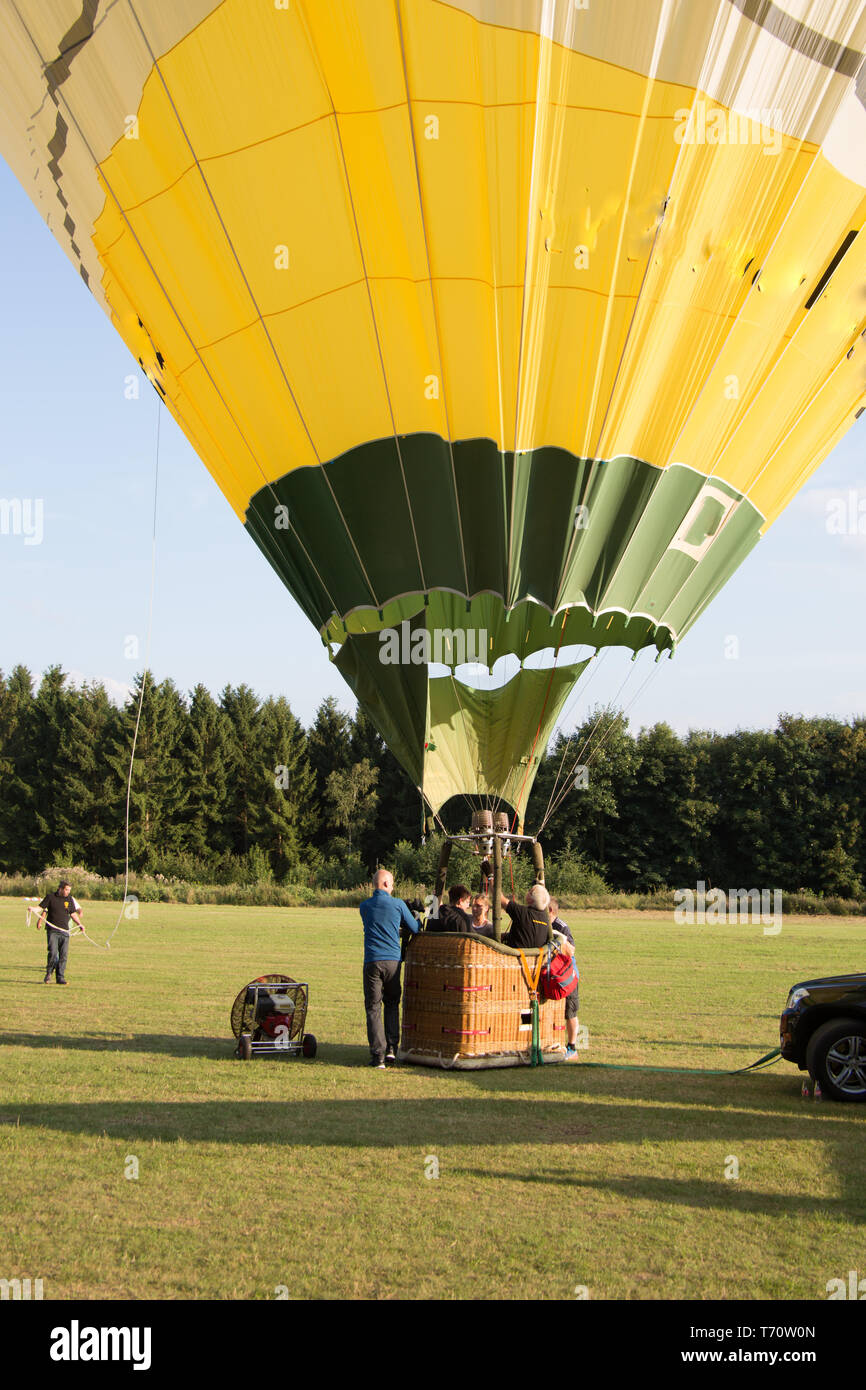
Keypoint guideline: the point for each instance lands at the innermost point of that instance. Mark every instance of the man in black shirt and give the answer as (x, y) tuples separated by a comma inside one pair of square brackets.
[(60, 909), (530, 925)]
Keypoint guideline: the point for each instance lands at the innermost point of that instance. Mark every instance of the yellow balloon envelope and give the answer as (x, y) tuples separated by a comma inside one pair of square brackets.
[(504, 325)]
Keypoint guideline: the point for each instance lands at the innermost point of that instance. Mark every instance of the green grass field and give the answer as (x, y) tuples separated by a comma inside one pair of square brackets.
[(311, 1175)]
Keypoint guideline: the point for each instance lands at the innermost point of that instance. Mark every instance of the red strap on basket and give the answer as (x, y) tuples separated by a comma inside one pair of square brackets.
[(470, 989), (468, 1032)]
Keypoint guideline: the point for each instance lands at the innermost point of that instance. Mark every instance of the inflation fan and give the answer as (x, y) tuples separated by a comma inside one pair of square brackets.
[(268, 1018)]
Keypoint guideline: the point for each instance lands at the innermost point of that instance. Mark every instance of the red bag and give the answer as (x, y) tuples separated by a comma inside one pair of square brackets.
[(559, 977)]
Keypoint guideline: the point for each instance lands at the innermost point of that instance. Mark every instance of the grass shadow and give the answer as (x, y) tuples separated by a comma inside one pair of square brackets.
[(688, 1192), (379, 1121), (175, 1045)]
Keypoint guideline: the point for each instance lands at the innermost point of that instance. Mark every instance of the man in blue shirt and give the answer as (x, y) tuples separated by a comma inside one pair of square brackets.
[(383, 915)]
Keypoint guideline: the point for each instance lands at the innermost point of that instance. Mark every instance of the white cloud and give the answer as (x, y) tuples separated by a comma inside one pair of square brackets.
[(118, 692)]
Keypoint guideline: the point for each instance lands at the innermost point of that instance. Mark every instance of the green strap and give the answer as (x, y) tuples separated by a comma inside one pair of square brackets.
[(537, 1058), (768, 1060)]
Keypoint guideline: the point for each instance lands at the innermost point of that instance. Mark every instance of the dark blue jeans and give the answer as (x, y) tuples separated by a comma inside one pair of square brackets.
[(382, 987), (58, 950)]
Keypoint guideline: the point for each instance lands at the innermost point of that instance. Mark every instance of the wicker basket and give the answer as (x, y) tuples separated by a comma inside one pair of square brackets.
[(466, 1004)]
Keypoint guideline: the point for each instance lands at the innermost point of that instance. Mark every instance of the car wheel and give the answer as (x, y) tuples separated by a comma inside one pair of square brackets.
[(245, 1047), (309, 1045), (836, 1057)]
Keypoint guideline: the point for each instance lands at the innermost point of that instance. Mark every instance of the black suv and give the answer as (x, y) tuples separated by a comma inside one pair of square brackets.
[(823, 1030)]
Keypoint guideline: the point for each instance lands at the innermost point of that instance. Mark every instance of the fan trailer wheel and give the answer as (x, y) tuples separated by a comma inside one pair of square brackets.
[(245, 1047), (309, 1045)]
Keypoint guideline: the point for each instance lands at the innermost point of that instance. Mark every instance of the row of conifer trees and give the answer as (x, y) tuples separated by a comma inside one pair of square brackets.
[(236, 789)]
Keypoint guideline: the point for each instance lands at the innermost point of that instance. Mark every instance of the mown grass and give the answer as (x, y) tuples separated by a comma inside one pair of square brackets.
[(312, 1174)]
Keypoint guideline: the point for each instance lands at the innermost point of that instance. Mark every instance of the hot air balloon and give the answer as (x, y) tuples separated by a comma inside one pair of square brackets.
[(513, 323)]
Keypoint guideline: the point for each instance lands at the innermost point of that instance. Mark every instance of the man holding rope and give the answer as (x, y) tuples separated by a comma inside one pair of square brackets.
[(60, 908)]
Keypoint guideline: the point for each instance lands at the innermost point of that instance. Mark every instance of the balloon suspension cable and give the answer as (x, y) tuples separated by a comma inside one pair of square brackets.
[(579, 693), (554, 803), (146, 672), (540, 722), (569, 786), (587, 750), (435, 814)]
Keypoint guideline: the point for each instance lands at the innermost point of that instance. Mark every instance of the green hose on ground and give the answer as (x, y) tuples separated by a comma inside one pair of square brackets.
[(766, 1061)]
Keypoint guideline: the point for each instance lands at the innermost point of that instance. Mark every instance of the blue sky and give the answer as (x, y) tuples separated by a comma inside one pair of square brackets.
[(69, 436)]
